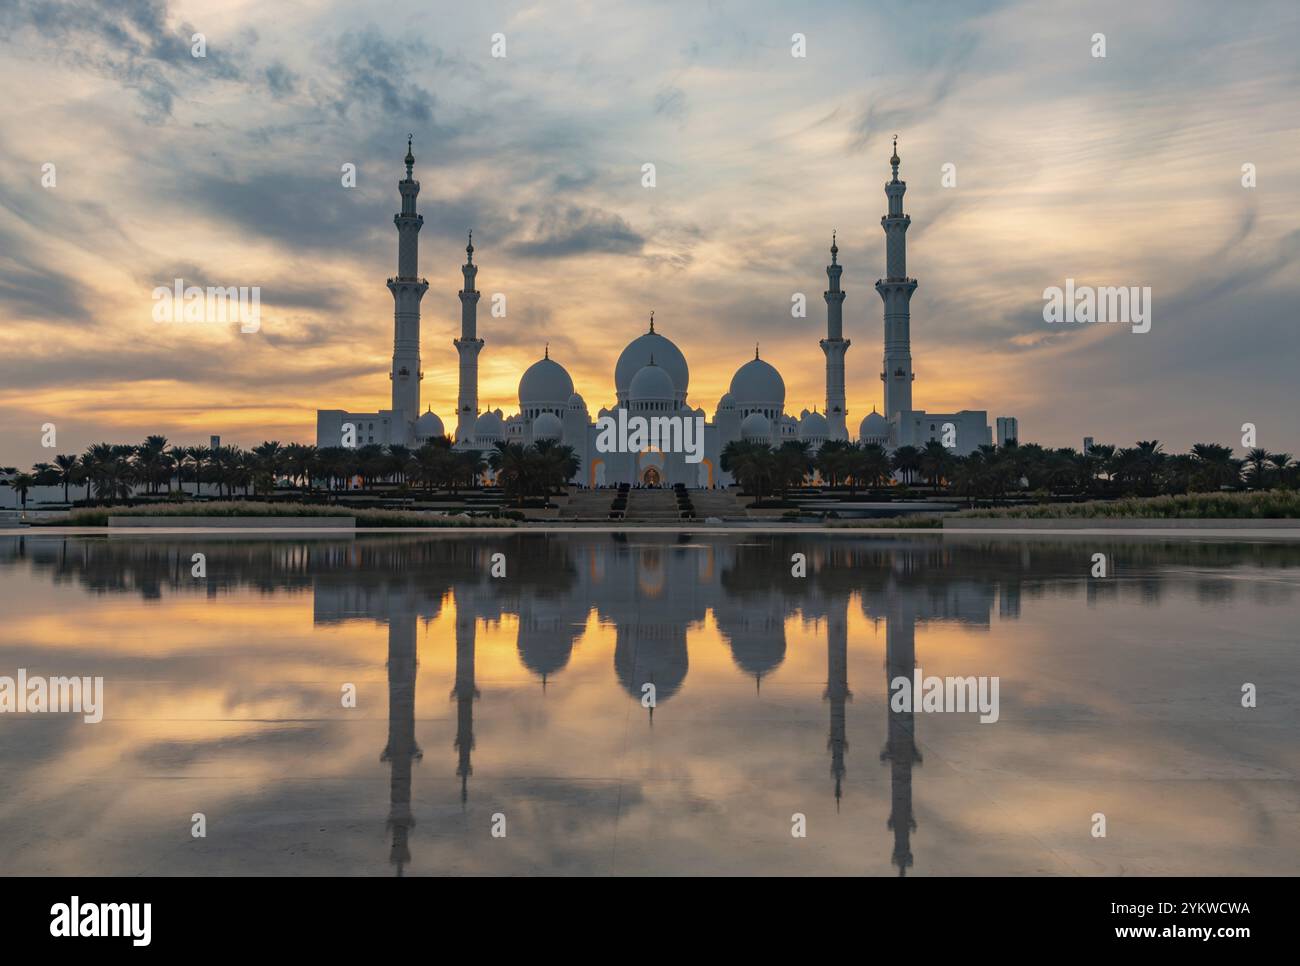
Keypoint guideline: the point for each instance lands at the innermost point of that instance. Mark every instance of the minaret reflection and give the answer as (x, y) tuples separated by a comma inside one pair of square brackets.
[(465, 693), (900, 747), (401, 750), (837, 687)]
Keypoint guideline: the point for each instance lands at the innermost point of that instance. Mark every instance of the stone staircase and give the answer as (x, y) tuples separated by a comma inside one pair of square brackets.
[(717, 503), (652, 506), (587, 505)]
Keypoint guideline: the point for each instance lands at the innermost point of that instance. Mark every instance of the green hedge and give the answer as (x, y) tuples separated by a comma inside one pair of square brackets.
[(1256, 505), (98, 516)]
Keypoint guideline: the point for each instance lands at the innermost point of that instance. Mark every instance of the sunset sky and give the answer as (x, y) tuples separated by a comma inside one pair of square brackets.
[(226, 170)]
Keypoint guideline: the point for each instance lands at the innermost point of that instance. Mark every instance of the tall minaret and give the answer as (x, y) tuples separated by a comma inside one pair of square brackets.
[(900, 748), (468, 346), (407, 288), (464, 692), (401, 750), (837, 687), (835, 345), (896, 291)]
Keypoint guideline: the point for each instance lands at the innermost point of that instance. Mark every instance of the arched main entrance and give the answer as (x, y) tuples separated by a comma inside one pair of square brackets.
[(651, 476)]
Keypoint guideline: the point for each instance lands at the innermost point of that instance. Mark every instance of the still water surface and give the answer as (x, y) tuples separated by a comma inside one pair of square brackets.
[(518, 702)]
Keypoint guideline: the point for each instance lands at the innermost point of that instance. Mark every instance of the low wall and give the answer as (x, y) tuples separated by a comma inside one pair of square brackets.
[(221, 523), (1109, 523)]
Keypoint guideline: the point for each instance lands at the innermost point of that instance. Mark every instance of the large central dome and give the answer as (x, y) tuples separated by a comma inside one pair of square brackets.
[(637, 356), (545, 383), (757, 385)]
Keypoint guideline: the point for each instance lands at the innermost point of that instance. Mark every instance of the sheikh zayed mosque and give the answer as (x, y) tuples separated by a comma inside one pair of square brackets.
[(651, 379)]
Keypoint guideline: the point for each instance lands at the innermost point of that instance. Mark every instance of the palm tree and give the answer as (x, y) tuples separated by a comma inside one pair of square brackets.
[(69, 471), (179, 456), (1281, 462), (514, 469), (22, 482), (149, 458), (1215, 467), (907, 461), (265, 464), (557, 463), (751, 464), (791, 464), (1259, 460), (833, 459), (936, 462), (873, 465), (199, 455)]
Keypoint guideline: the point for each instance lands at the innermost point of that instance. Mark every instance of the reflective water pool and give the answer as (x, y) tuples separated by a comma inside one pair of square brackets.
[(651, 704)]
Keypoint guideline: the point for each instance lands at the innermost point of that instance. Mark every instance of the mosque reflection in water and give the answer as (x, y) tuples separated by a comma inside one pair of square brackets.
[(651, 589)]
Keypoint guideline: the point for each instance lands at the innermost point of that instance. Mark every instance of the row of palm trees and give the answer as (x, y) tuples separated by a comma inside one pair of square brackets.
[(114, 472), (994, 472)]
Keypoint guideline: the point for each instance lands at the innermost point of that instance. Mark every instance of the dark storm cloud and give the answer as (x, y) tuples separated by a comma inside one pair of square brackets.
[(127, 40), (30, 292), (374, 72), (563, 230), (306, 210), (235, 365), (280, 80)]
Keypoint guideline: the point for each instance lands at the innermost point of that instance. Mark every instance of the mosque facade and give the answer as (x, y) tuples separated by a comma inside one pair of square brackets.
[(652, 380)]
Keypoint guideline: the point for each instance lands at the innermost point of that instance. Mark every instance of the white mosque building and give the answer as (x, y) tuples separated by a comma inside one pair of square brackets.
[(652, 378)]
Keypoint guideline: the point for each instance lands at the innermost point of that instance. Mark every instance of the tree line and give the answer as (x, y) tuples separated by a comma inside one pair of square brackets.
[(995, 472), (112, 472)]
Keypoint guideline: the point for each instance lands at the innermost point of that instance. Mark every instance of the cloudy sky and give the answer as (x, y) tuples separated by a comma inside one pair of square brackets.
[(226, 170)]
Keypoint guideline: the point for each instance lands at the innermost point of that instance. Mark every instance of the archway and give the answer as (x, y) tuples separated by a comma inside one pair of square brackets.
[(651, 476)]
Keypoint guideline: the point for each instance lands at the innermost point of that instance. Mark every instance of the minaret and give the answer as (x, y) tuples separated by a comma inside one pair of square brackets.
[(835, 345), (900, 749), (896, 291), (464, 692), (468, 346), (407, 288), (837, 687), (402, 750)]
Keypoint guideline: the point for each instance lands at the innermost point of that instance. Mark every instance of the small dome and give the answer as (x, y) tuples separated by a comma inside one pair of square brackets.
[(874, 427), (545, 383), (489, 425), (577, 402), (756, 426), (547, 426), (757, 384), (429, 426), (637, 355), (813, 426), (652, 383), (727, 403)]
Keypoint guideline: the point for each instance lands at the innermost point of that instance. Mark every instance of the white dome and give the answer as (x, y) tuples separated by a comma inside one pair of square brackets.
[(547, 426), (545, 383), (489, 425), (429, 426), (813, 426), (727, 402), (637, 356), (756, 384), (874, 427), (652, 384), (756, 426), (577, 402)]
